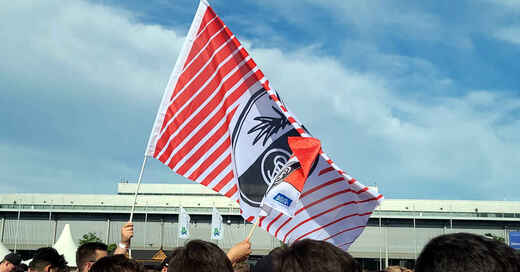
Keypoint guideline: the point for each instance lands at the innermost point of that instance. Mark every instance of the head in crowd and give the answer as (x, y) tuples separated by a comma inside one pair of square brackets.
[(88, 253), (309, 256), (22, 267), (10, 262), (164, 264), (199, 256), (466, 252), (116, 263), (241, 267), (47, 259)]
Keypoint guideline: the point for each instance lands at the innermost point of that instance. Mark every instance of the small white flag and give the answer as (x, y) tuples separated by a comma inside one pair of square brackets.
[(216, 225), (184, 224)]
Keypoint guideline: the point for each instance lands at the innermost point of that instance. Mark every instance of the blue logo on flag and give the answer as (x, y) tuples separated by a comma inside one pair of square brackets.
[(284, 200)]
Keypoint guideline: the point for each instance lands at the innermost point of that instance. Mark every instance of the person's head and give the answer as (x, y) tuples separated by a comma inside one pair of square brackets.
[(21, 267), (466, 252), (241, 267), (116, 263), (47, 259), (164, 264), (311, 255), (88, 253), (10, 262), (199, 256)]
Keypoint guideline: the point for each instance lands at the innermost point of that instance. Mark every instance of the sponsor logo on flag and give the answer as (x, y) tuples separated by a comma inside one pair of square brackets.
[(221, 124), (282, 199)]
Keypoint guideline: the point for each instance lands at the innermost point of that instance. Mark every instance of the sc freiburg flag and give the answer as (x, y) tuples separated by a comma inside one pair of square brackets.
[(221, 124)]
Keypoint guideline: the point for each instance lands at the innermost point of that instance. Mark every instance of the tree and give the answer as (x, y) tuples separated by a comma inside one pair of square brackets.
[(89, 238), (495, 237), (92, 237)]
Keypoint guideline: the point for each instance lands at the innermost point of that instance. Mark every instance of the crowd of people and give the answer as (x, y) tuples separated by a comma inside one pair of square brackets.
[(456, 252)]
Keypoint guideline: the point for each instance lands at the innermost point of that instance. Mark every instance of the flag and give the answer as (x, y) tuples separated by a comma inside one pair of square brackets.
[(184, 224), (286, 187), (216, 225), (221, 125)]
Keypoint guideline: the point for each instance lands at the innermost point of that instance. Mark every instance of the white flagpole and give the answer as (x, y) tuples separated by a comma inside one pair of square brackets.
[(145, 221), (17, 226), (253, 229), (137, 189), (135, 198), (50, 227)]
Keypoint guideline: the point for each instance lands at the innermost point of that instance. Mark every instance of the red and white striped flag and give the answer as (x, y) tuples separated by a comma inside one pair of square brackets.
[(220, 124)]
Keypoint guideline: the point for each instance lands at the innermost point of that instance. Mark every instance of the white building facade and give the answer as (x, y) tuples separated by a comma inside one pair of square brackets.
[(396, 232)]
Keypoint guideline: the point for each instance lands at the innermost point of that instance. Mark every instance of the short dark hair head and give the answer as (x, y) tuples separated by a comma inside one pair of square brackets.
[(87, 253), (48, 256), (199, 256), (13, 258), (116, 263), (310, 256), (466, 252), (22, 267)]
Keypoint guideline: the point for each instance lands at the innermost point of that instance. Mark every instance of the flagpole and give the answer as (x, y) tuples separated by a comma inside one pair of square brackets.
[(135, 198), (253, 229), (137, 189), (17, 226)]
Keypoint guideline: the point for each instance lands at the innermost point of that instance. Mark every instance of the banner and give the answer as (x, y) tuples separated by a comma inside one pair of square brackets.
[(184, 224), (216, 225), (221, 125)]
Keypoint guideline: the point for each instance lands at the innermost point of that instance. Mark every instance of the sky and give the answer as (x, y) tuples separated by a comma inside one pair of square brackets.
[(421, 98)]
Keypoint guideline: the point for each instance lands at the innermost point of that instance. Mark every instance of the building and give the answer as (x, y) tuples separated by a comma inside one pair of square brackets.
[(396, 232)]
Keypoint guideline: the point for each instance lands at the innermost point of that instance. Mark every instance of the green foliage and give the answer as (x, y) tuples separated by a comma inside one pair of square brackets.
[(494, 237), (111, 248), (88, 238)]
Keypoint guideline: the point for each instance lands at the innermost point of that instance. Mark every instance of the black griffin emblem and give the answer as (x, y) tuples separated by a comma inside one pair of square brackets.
[(268, 126)]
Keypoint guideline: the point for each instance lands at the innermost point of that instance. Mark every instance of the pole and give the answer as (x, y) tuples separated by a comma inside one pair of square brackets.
[(108, 231), (162, 232), (253, 229), (386, 246), (17, 226), (50, 227), (380, 249), (144, 228), (55, 230), (3, 230), (415, 234), (137, 189)]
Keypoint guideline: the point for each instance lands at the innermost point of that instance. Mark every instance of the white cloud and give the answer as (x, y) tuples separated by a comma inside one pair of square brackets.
[(509, 34), (403, 144), (418, 144), (86, 46)]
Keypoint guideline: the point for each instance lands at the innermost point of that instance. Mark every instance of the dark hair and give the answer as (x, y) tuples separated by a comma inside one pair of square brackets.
[(21, 267), (199, 256), (311, 255), (116, 263), (466, 252), (48, 256), (87, 253)]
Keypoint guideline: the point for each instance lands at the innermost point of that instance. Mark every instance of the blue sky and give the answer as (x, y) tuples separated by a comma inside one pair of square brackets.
[(420, 98)]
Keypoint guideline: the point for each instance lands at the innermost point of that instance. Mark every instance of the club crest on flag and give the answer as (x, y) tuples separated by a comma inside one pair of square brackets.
[(260, 134)]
